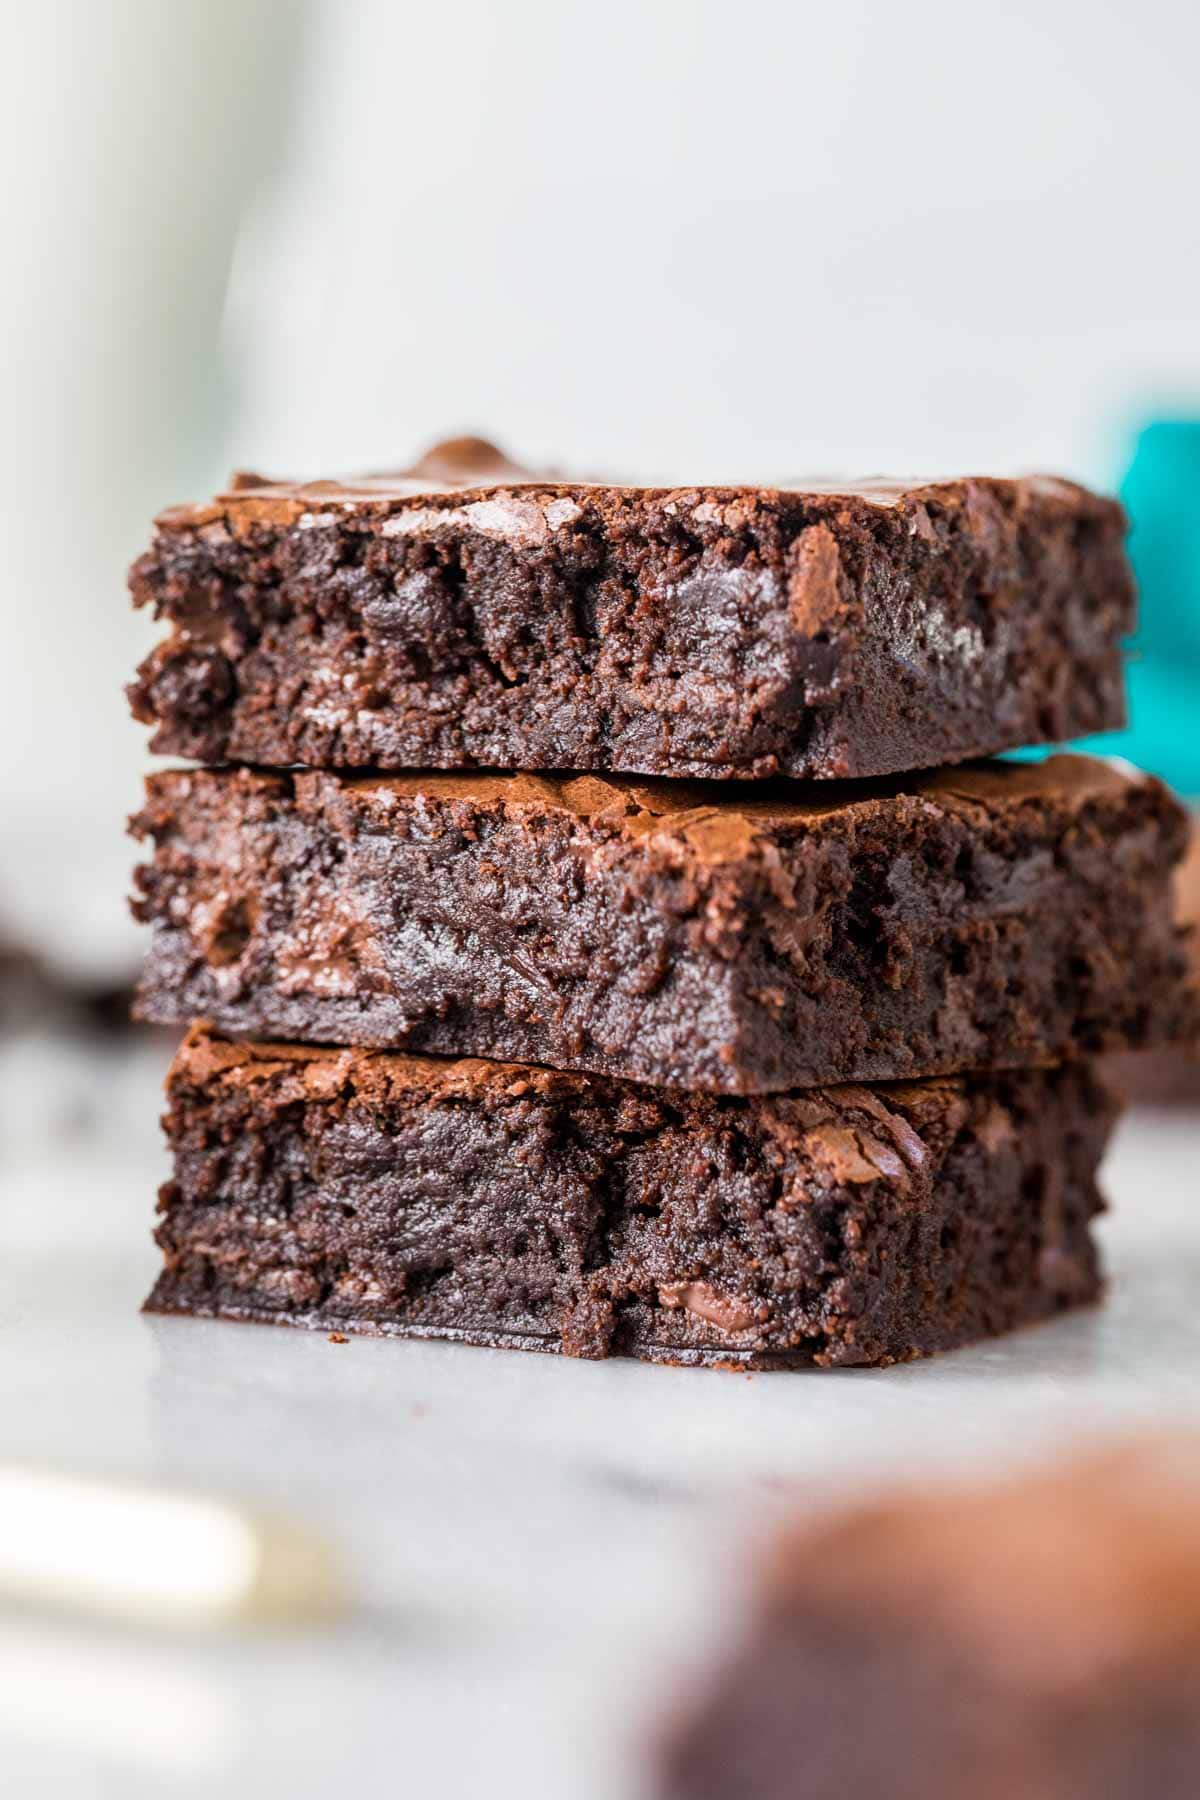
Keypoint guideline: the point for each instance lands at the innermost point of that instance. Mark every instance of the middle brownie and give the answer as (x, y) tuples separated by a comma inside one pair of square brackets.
[(737, 941)]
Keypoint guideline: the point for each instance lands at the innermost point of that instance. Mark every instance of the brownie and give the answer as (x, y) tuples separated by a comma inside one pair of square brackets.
[(27, 990), (1033, 1639), (34, 995), (469, 614), (1169, 1073), (500, 1204), (740, 940)]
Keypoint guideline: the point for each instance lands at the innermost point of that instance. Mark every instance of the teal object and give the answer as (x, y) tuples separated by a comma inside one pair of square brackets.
[(1161, 493)]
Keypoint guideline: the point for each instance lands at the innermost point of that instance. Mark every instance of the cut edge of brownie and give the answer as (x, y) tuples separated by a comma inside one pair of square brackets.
[(403, 1196), (729, 632), (990, 916)]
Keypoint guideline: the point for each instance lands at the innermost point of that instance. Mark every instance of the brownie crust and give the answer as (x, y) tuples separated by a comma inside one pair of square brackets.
[(1036, 1636), (504, 1205), (1001, 915), (468, 614)]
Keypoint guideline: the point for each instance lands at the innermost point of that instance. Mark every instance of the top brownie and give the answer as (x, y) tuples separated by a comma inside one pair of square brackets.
[(468, 614)]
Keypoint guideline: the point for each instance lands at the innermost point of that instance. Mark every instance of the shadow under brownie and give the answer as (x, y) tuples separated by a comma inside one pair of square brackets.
[(505, 1205), (769, 937)]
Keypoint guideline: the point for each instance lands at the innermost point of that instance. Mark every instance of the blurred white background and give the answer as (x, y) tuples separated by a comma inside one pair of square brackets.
[(676, 238)]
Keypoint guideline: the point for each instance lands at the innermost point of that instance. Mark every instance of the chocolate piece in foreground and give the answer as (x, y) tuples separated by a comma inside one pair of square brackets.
[(1038, 1637), (506, 1205), (470, 615), (765, 938)]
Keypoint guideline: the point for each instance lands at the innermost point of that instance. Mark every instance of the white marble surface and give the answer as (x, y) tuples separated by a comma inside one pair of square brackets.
[(540, 1548)]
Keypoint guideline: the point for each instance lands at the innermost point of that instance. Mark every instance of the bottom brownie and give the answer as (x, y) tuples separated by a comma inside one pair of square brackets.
[(508, 1205)]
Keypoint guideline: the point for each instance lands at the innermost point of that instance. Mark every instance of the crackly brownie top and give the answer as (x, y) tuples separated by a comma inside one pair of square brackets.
[(1062, 1577), (317, 1072), (471, 483), (720, 825), (852, 1134)]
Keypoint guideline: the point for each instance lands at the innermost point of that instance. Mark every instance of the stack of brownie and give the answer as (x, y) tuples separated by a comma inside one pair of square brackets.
[(674, 1016)]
